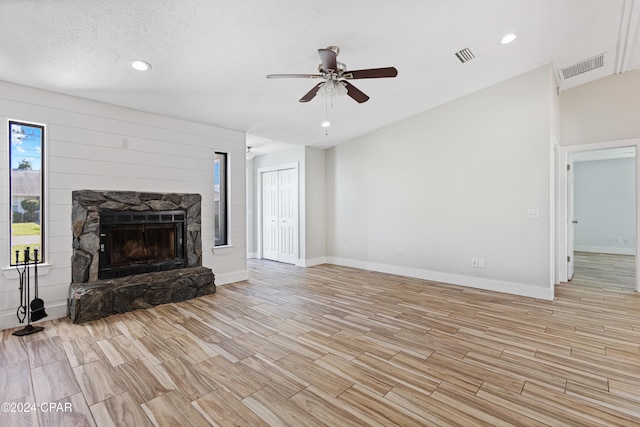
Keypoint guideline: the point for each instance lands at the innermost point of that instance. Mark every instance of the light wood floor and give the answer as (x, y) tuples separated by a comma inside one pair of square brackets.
[(604, 270), (337, 346)]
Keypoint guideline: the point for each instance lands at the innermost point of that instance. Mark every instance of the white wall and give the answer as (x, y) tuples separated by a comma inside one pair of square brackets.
[(252, 248), (449, 185), (84, 146), (315, 206), (604, 110), (605, 198)]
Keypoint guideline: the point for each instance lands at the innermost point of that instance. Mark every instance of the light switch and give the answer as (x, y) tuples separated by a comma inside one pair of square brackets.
[(533, 213)]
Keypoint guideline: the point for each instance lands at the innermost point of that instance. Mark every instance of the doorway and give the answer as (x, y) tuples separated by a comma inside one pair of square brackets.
[(604, 271), (279, 213), (601, 221)]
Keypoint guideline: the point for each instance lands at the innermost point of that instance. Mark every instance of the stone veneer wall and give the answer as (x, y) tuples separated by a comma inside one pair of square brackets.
[(85, 217)]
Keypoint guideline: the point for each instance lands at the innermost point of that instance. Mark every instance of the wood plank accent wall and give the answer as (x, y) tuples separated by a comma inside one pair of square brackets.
[(92, 145)]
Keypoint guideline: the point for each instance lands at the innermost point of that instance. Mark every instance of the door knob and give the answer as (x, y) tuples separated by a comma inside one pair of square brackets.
[(575, 221)]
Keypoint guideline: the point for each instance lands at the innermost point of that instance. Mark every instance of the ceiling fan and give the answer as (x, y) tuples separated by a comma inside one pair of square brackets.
[(336, 77)]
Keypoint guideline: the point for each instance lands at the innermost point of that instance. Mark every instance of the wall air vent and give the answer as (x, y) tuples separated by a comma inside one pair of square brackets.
[(581, 67), (465, 55)]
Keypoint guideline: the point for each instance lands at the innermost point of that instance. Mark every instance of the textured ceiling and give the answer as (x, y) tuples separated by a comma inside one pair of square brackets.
[(210, 57)]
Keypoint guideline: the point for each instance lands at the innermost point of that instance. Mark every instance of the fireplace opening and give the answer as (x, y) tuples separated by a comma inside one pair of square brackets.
[(139, 242)]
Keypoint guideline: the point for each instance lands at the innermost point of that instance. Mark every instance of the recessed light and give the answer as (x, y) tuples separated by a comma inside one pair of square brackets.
[(140, 65), (508, 38)]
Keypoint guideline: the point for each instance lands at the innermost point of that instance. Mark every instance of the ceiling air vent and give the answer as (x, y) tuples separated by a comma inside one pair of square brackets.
[(465, 55), (581, 67)]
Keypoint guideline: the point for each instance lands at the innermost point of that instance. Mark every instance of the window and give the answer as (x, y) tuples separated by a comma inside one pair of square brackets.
[(220, 213), (26, 151)]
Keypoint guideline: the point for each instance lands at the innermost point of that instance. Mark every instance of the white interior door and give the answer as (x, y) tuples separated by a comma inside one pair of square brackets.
[(270, 215), (288, 212), (280, 215), (571, 221)]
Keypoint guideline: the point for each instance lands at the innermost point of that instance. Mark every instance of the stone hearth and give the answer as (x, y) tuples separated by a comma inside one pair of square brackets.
[(91, 298), (95, 300)]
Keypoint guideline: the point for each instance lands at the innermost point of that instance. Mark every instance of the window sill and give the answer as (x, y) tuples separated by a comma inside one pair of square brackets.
[(222, 250), (11, 273)]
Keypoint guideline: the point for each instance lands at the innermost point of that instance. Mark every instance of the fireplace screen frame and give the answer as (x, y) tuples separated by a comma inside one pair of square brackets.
[(115, 221)]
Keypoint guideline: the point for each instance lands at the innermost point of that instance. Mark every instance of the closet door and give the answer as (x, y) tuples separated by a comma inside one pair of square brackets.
[(288, 213), (270, 215), (280, 215)]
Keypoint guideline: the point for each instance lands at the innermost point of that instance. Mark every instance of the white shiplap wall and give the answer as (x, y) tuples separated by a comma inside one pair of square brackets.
[(85, 151)]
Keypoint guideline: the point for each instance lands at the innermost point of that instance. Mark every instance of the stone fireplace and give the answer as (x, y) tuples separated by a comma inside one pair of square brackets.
[(134, 250)]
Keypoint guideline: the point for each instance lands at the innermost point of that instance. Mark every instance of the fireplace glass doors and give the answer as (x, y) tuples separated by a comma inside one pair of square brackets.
[(141, 242)]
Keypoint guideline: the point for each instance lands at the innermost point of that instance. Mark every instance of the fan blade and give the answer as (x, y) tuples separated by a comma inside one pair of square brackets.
[(371, 73), (356, 93), (295, 76), (312, 93), (328, 58)]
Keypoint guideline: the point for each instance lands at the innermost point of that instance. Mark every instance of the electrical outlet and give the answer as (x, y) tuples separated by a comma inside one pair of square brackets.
[(474, 262), (125, 142), (345, 248), (400, 253)]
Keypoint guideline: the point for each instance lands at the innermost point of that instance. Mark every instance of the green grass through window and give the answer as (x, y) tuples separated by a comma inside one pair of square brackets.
[(25, 229)]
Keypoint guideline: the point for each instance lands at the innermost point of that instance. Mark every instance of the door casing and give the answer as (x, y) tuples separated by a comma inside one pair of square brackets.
[(563, 214), (294, 221)]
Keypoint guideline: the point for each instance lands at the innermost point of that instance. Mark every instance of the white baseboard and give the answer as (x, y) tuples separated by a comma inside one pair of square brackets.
[(605, 250), (454, 279), (231, 277), (311, 262), (300, 262), (252, 255), (54, 311)]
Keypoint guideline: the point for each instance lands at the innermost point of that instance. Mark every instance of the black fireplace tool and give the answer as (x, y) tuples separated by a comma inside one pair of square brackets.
[(37, 305), (22, 308)]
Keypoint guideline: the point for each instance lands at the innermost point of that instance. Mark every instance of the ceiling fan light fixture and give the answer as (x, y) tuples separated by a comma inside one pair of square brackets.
[(326, 124), (333, 88), (250, 154), (337, 79)]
